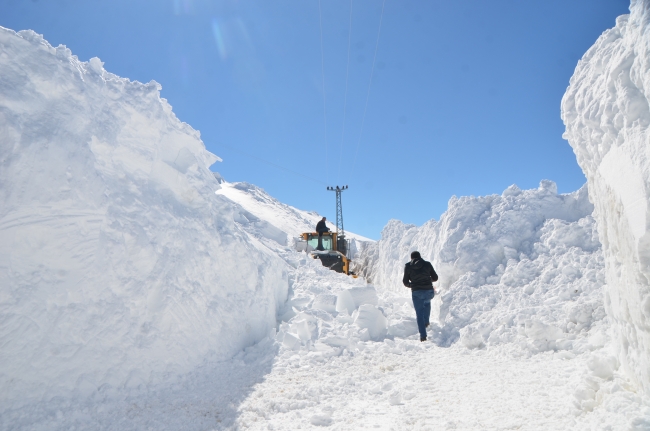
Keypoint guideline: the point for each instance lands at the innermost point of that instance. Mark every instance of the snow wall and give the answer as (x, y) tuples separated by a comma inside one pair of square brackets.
[(607, 114), (524, 268), (119, 265)]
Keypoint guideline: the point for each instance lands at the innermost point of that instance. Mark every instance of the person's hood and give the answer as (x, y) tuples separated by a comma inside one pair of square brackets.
[(417, 263)]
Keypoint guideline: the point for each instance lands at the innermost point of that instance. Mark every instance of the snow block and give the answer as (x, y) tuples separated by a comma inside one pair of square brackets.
[(403, 328), (472, 338), (326, 302), (372, 319), (363, 295), (345, 302)]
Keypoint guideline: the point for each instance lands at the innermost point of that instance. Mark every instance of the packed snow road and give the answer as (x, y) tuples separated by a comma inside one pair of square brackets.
[(336, 376), (408, 385)]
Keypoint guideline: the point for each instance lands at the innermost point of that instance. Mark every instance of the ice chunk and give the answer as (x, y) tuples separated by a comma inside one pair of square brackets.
[(603, 367), (344, 302), (301, 328), (471, 338), (290, 342), (326, 302), (403, 328), (349, 300), (363, 295), (371, 318)]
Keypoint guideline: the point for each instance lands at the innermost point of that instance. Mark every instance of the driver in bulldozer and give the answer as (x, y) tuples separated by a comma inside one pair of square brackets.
[(321, 228)]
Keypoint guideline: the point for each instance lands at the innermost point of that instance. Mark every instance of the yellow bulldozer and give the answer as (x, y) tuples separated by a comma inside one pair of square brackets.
[(331, 250)]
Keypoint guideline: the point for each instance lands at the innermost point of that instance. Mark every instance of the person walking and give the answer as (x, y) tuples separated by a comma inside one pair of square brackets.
[(419, 276)]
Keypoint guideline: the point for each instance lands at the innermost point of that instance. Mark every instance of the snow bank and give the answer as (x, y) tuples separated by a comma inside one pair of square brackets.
[(523, 268), (119, 266), (606, 113)]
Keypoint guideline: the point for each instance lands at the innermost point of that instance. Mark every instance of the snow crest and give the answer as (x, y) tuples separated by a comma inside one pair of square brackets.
[(119, 265), (607, 114), (261, 205), (523, 268)]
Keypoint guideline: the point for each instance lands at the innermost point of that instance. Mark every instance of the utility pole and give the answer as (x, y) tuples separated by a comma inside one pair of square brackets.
[(340, 232)]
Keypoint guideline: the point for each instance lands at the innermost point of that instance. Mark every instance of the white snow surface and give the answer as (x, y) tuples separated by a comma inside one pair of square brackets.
[(119, 266), (521, 273), (607, 114), (524, 268), (130, 275), (278, 221), (285, 217)]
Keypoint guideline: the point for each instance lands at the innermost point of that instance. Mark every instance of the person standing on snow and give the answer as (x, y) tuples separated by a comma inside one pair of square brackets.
[(419, 276), (321, 228)]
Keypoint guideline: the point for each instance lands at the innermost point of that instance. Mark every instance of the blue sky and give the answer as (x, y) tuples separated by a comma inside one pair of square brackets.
[(464, 98)]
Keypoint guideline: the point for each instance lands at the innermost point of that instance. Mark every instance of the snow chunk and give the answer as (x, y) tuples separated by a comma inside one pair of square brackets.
[(371, 318)]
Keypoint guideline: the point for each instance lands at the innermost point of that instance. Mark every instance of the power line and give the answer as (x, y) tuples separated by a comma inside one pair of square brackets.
[(339, 210), (345, 99), (270, 163), (372, 70), (322, 63)]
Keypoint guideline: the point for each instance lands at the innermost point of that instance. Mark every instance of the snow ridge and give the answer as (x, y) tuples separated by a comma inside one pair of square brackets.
[(119, 266), (522, 268), (606, 111)]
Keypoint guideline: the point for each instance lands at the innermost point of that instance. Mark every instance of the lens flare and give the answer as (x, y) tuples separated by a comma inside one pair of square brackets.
[(218, 37)]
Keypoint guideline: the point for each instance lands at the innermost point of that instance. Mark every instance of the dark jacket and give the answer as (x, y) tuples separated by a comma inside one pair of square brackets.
[(419, 275), (322, 227)]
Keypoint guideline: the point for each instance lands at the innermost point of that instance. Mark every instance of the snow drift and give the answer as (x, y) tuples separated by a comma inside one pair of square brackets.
[(119, 266), (607, 114), (523, 268)]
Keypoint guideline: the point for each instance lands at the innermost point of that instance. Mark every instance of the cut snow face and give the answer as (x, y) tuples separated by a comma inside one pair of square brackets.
[(119, 266), (606, 113)]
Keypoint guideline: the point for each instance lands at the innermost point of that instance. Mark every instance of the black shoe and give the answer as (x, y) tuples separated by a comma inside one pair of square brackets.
[(423, 339)]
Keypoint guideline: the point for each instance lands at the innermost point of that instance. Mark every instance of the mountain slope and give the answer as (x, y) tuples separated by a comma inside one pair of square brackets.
[(266, 214)]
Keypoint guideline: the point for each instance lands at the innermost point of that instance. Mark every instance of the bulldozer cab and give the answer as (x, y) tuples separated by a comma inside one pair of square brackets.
[(331, 252), (328, 241)]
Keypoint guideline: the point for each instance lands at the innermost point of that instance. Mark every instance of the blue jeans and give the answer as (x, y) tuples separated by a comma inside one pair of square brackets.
[(422, 304)]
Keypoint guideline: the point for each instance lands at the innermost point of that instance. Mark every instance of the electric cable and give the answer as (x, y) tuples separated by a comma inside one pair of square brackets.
[(345, 98), (270, 163), (322, 62), (372, 70)]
